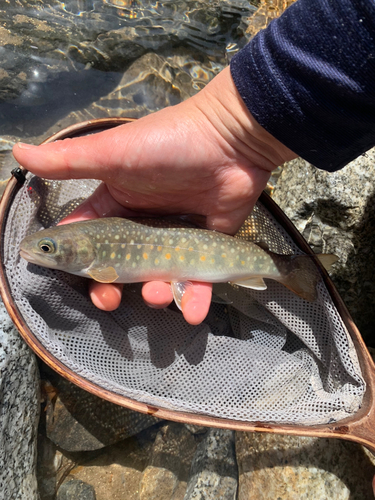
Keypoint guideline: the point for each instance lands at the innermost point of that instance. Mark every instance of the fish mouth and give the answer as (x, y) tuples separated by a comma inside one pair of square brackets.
[(33, 259), (28, 256)]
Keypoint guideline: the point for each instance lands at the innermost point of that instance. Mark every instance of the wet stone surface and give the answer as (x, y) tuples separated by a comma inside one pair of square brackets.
[(213, 471), (294, 468), (79, 421), (76, 490)]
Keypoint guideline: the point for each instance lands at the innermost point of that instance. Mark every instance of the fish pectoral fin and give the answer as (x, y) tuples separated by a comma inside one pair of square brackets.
[(104, 275), (178, 289), (256, 283)]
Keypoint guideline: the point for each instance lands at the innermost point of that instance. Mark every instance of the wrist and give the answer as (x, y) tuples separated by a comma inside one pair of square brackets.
[(224, 108)]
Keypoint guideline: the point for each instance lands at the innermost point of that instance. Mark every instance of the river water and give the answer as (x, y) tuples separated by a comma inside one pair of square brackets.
[(65, 62)]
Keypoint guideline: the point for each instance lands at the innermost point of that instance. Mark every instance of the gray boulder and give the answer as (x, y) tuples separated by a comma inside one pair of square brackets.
[(19, 414), (335, 212)]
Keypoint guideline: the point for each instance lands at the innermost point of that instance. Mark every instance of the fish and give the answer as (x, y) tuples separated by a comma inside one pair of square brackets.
[(118, 250)]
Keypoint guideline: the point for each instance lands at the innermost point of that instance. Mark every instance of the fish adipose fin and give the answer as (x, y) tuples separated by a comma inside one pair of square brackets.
[(256, 283), (105, 275), (178, 289)]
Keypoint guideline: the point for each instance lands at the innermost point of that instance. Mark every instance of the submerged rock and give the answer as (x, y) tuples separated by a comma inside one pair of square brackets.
[(293, 467), (167, 472), (19, 413), (79, 421), (76, 490), (214, 472)]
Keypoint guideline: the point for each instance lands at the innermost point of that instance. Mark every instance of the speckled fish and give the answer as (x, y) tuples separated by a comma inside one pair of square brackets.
[(124, 251)]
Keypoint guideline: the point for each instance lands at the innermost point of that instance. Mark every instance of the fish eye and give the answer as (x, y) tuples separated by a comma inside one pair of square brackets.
[(47, 245)]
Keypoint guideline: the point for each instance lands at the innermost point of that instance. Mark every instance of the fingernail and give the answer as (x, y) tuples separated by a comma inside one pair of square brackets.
[(22, 145)]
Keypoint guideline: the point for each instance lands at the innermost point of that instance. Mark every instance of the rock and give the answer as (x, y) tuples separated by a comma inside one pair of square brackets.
[(76, 490), (196, 429), (79, 421), (49, 461), (336, 214), (292, 467), (166, 475), (214, 469), (115, 473), (19, 413)]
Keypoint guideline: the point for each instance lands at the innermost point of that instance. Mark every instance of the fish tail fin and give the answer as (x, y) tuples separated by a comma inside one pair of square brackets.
[(303, 275)]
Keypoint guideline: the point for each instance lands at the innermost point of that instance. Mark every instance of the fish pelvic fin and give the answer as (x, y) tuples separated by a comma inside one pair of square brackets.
[(104, 275), (178, 290)]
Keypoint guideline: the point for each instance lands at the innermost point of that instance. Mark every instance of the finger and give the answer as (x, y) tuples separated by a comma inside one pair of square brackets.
[(105, 296), (196, 302), (80, 157), (157, 294), (100, 204)]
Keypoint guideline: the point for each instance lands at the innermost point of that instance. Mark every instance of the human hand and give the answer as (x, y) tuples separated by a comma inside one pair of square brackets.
[(206, 156)]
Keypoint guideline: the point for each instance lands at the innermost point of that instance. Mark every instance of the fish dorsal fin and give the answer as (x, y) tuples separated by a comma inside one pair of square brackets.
[(104, 275), (256, 283)]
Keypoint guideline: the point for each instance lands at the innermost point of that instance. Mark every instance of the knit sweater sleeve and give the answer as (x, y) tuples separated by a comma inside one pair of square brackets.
[(309, 79)]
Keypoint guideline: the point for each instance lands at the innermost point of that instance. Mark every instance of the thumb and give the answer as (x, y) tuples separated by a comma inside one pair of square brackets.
[(78, 158)]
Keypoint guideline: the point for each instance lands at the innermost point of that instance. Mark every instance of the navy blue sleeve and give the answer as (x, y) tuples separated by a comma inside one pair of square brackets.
[(309, 79)]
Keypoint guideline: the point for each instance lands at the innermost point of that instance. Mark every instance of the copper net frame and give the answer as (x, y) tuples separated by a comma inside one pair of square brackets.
[(359, 428)]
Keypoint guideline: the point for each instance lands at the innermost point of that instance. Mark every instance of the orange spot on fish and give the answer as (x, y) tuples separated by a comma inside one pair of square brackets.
[(177, 249), (113, 255), (145, 256), (159, 248), (167, 256), (182, 257), (191, 249), (203, 258), (128, 256)]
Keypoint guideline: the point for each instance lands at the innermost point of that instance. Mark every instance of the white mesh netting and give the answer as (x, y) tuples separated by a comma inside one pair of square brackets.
[(269, 356)]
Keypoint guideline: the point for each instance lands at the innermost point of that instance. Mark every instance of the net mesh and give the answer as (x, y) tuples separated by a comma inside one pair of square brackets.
[(266, 356)]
